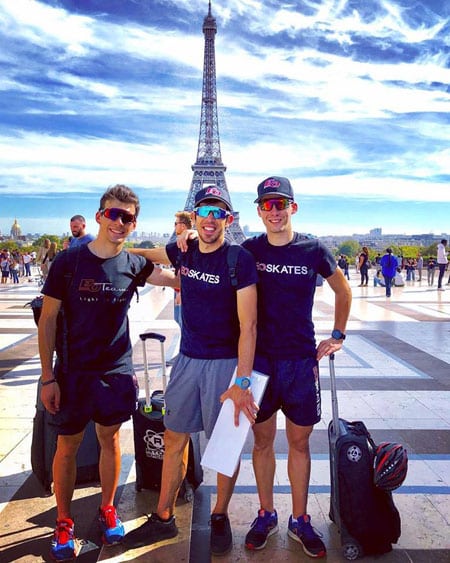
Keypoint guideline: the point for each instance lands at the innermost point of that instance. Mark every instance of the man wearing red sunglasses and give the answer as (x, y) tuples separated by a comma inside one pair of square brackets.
[(218, 336), (288, 265), (93, 377)]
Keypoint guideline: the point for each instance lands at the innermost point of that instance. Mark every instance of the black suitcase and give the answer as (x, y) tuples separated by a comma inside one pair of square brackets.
[(148, 431), (367, 519), (43, 448)]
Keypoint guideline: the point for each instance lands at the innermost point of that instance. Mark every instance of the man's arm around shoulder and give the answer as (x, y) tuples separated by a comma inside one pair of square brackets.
[(156, 255)]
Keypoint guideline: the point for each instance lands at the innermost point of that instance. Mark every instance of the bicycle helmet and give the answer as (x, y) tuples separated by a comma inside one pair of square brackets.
[(391, 466)]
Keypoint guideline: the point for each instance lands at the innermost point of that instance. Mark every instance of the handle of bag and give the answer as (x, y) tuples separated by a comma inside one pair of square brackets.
[(153, 336), (334, 401)]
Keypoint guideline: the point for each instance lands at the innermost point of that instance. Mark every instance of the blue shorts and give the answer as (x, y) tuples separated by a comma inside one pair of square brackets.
[(193, 393), (294, 387), (108, 400)]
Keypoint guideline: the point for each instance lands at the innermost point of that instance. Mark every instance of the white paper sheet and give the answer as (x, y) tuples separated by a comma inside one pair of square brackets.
[(223, 451)]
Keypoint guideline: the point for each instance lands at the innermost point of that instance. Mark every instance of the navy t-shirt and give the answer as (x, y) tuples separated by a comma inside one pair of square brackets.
[(286, 286), (209, 311), (96, 295)]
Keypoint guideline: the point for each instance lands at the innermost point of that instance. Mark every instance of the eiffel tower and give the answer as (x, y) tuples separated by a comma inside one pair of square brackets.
[(209, 168)]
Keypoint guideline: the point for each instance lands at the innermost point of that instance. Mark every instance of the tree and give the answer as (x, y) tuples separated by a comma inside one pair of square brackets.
[(146, 244), (430, 251), (349, 248)]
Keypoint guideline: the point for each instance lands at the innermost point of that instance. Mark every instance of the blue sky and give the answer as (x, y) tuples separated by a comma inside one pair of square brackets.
[(349, 99)]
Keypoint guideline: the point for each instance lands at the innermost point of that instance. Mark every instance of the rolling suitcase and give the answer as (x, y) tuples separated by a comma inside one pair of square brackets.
[(367, 519), (43, 448), (148, 431)]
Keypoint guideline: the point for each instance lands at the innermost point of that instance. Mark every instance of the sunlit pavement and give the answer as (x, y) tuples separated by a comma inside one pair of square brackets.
[(393, 373)]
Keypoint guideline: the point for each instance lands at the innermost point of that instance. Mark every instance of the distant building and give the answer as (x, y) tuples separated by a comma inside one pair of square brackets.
[(16, 231)]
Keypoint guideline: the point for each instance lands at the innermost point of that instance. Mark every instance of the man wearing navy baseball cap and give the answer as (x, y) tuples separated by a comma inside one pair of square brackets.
[(218, 336), (213, 193), (288, 264)]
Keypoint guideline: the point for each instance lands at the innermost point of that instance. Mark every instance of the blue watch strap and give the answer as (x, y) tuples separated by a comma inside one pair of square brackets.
[(243, 382)]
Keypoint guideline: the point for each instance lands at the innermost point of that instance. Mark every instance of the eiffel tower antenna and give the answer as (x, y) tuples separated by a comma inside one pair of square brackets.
[(209, 168)]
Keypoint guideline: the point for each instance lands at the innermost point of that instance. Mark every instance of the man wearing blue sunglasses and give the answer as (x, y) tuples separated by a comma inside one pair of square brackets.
[(218, 336), (93, 376)]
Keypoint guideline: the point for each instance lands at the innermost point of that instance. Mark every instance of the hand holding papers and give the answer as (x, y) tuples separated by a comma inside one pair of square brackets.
[(224, 448)]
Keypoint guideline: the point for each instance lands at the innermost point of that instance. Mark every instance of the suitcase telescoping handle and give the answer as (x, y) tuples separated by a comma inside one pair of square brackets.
[(153, 336), (334, 401)]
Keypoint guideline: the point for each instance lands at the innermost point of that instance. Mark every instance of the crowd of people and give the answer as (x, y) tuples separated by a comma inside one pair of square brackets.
[(398, 269), (16, 264)]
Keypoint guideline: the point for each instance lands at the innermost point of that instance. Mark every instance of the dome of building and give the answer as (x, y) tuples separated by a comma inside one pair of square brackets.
[(16, 231)]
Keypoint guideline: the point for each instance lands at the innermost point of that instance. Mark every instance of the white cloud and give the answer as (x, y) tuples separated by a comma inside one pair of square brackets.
[(289, 108)]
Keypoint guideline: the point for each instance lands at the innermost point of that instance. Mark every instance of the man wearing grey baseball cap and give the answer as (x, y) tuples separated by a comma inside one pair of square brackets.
[(288, 264)]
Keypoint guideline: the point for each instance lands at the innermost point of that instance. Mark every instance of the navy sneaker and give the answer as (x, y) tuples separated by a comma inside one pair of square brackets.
[(221, 539), (262, 528), (152, 531), (110, 525), (301, 530), (64, 544)]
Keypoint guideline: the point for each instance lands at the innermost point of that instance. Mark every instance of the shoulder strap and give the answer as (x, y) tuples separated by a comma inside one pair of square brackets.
[(178, 261), (70, 273), (232, 258), (62, 331)]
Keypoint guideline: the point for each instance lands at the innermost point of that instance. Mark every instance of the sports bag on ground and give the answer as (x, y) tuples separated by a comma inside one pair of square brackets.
[(367, 519)]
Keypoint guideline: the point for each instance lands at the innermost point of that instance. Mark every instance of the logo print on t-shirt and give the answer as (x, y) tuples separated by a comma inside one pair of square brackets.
[(282, 269), (94, 287)]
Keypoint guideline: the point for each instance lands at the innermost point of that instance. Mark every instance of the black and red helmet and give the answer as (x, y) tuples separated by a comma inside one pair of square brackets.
[(391, 466)]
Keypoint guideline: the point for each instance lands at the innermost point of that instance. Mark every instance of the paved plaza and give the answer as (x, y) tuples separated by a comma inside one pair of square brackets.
[(393, 373)]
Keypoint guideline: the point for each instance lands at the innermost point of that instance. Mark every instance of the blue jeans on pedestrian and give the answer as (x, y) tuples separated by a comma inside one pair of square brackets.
[(442, 268), (389, 281)]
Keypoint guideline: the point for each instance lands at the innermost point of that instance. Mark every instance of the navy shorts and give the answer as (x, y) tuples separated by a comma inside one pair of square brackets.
[(107, 400), (293, 387)]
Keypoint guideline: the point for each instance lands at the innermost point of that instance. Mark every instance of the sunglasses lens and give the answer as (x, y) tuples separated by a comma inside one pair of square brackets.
[(218, 212), (113, 213), (279, 204)]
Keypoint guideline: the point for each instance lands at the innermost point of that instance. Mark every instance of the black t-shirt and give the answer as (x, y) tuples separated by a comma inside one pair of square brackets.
[(96, 295), (209, 311), (286, 286)]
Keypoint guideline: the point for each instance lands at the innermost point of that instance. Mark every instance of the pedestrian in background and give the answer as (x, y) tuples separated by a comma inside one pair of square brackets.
[(363, 264), (389, 265), (419, 266), (431, 267), (442, 261), (183, 221), (79, 234)]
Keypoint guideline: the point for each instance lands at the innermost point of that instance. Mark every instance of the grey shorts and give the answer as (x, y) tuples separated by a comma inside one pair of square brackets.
[(193, 393)]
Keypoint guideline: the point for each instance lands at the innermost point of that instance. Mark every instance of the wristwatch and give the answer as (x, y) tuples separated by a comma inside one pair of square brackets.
[(243, 382), (337, 334)]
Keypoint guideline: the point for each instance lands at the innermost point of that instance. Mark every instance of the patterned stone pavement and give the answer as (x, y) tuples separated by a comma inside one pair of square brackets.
[(393, 373)]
